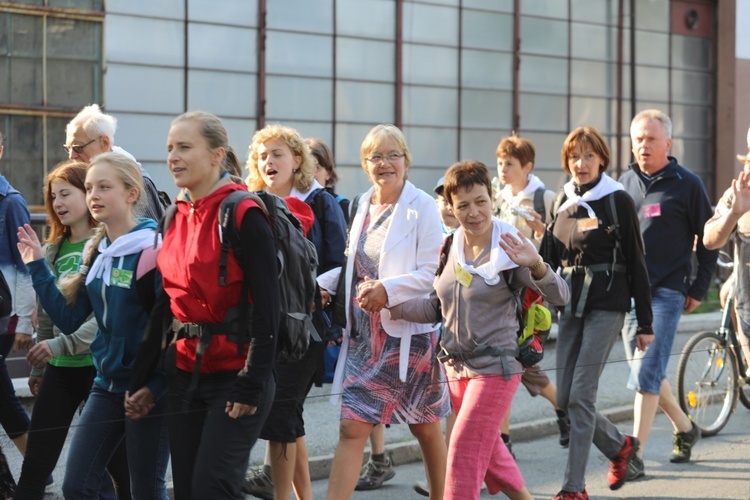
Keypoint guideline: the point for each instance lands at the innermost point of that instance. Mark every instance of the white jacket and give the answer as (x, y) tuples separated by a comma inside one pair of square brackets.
[(408, 262)]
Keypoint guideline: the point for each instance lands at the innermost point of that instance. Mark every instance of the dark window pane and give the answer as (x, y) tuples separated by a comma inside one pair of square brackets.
[(25, 36), (26, 81), (23, 163), (95, 5), (691, 87), (691, 121), (76, 83), (691, 52), (73, 38)]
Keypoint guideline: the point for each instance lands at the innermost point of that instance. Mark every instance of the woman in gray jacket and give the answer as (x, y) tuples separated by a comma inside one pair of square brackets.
[(480, 330)]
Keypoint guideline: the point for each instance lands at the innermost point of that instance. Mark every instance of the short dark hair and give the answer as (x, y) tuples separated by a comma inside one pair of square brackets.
[(518, 148), (589, 136), (464, 175)]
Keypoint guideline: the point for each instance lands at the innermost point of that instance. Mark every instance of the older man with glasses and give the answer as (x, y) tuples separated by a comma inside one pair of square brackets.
[(91, 133)]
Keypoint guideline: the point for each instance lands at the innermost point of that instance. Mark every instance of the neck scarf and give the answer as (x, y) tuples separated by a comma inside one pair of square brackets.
[(126, 244), (296, 193), (499, 260), (606, 186), (527, 192)]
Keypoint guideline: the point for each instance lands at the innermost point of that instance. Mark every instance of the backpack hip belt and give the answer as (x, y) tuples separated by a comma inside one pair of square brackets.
[(588, 272), (480, 350)]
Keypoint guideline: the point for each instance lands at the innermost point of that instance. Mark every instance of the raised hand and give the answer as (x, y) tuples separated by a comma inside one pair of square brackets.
[(28, 244), (741, 190), (519, 249)]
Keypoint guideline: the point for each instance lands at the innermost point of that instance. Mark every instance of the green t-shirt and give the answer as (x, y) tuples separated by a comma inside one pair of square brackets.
[(68, 260)]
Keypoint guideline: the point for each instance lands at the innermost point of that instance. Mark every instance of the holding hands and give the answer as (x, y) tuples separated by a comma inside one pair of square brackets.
[(28, 244), (371, 296)]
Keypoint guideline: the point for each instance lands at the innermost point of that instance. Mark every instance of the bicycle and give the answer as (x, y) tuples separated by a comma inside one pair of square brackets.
[(712, 371)]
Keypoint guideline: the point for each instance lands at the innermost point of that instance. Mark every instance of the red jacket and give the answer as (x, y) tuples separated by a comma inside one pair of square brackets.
[(189, 264)]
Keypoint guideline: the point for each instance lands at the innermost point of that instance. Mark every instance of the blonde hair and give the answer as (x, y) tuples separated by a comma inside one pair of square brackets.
[(74, 173), (215, 134), (129, 174), (302, 178), (377, 136)]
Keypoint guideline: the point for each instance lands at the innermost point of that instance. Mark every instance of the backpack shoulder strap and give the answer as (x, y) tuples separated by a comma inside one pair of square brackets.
[(510, 279), (560, 198), (539, 204), (611, 210), (445, 251), (229, 234), (164, 222)]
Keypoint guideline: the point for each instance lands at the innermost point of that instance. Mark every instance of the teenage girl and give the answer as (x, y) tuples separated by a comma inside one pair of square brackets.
[(62, 368), (121, 282)]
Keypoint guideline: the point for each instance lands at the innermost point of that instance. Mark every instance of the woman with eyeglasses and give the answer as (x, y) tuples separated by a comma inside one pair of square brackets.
[(386, 370)]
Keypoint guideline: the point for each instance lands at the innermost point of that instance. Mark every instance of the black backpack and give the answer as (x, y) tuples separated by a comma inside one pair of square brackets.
[(297, 261)]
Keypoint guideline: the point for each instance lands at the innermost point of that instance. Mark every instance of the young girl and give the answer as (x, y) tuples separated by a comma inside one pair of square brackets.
[(62, 366), (120, 285), (280, 163), (211, 441)]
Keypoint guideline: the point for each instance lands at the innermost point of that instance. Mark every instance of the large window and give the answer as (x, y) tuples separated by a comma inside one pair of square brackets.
[(50, 67)]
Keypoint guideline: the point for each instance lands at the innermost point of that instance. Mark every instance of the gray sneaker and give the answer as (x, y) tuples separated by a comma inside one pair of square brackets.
[(258, 483), (683, 444), (635, 469), (374, 474)]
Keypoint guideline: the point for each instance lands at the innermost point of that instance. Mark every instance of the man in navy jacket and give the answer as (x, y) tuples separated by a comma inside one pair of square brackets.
[(672, 207)]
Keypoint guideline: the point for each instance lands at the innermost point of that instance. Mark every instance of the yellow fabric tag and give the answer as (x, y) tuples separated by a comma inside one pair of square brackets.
[(587, 224), (463, 276)]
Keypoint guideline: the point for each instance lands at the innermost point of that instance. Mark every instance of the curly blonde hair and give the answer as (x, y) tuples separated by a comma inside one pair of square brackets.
[(303, 176)]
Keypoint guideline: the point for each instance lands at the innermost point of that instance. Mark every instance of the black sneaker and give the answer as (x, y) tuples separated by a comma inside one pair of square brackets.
[(683, 444), (422, 488), (374, 474), (563, 423), (635, 469)]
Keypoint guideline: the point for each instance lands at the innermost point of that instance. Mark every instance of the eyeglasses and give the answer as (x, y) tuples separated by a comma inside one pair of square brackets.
[(78, 148), (390, 158)]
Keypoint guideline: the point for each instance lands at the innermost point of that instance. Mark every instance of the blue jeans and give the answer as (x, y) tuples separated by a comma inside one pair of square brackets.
[(100, 429), (648, 368)]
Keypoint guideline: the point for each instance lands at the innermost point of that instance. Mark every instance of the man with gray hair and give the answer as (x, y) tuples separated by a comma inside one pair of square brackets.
[(91, 133), (672, 207)]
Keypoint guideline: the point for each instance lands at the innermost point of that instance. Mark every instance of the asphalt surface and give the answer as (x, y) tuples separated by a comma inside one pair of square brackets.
[(721, 468)]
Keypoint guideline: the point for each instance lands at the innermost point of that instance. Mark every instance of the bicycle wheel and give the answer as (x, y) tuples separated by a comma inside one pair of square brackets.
[(707, 382)]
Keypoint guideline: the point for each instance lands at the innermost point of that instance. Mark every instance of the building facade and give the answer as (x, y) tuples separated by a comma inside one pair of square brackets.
[(456, 75)]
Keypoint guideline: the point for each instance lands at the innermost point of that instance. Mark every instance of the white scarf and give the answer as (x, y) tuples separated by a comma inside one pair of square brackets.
[(605, 186), (296, 193), (534, 183), (126, 244), (499, 260)]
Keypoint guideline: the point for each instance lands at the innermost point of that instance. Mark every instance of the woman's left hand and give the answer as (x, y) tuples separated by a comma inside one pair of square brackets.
[(536, 225), (237, 410), (371, 296), (519, 249)]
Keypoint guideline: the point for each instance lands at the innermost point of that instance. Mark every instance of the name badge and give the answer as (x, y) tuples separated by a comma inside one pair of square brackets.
[(650, 211), (463, 276), (121, 277), (587, 224)]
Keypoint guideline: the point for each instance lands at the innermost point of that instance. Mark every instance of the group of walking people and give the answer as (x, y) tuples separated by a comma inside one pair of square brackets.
[(134, 321)]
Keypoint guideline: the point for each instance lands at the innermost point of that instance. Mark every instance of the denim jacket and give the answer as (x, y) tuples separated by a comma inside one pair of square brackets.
[(15, 213)]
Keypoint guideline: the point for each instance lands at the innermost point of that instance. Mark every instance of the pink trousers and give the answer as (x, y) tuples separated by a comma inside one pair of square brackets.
[(477, 452)]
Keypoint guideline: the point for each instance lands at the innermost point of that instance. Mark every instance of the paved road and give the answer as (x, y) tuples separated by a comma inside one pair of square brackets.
[(722, 462)]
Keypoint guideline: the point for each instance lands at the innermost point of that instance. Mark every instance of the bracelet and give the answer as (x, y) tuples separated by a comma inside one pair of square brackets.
[(538, 265)]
